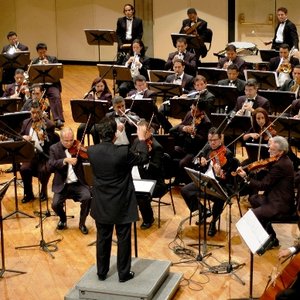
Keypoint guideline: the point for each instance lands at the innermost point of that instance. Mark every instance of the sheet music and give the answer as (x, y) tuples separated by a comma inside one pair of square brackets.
[(143, 186), (252, 232), (135, 173)]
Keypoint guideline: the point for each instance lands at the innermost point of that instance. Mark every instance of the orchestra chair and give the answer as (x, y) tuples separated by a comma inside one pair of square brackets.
[(207, 39)]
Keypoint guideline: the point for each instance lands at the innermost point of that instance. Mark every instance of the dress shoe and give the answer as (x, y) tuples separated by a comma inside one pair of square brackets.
[(61, 225), (273, 244), (83, 229), (43, 196), (212, 230), (147, 225), (129, 276), (59, 124), (208, 214), (27, 198), (102, 277)]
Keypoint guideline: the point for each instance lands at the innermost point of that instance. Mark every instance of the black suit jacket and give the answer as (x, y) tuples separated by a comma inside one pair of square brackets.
[(290, 35), (200, 29), (20, 46), (114, 200), (259, 102), (187, 81), (239, 62), (56, 166), (189, 60), (239, 83), (137, 30)]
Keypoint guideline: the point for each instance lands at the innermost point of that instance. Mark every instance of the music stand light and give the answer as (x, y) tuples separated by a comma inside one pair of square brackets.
[(45, 73), (100, 37), (266, 80), (159, 75), (212, 75), (144, 108)]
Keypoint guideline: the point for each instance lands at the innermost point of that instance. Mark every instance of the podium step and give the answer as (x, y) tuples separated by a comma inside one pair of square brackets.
[(152, 281)]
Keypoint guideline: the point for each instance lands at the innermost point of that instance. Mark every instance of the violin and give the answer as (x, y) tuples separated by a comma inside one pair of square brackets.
[(78, 150), (268, 133), (40, 127), (260, 164), (218, 156)]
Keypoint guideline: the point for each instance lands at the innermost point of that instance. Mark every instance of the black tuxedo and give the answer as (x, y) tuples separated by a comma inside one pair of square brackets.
[(137, 30), (259, 102), (189, 60), (239, 62), (239, 83), (20, 46), (187, 82), (290, 36), (288, 85)]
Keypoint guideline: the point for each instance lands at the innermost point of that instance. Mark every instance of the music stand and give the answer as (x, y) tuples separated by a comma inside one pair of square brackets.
[(193, 41), (164, 89), (288, 127), (99, 37), (212, 75), (12, 153), (3, 190), (9, 105), (114, 72), (144, 108), (225, 95), (11, 62), (48, 73), (266, 80), (210, 186), (159, 75), (266, 55), (179, 107), (279, 100)]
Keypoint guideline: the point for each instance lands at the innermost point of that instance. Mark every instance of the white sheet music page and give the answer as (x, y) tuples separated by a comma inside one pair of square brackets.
[(252, 232), (143, 186)]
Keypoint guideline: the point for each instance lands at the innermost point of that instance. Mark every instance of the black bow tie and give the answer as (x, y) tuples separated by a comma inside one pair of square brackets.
[(250, 99), (178, 78), (129, 19)]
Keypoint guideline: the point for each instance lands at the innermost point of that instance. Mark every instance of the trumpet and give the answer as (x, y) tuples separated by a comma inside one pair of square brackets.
[(43, 60)]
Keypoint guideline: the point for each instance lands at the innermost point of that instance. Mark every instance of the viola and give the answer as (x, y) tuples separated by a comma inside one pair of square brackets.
[(78, 150), (219, 156)]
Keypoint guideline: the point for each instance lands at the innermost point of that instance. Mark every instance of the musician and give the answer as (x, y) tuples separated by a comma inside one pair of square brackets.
[(152, 170), (40, 130), (182, 53), (293, 85), (114, 202), (231, 57), (245, 105), (137, 62), (36, 94), (190, 135), (141, 89), (283, 64), (285, 32), (19, 88), (260, 121), (68, 181), (216, 161), (200, 30), (233, 80), (99, 91), (277, 183), (129, 28), (125, 126), (53, 90)]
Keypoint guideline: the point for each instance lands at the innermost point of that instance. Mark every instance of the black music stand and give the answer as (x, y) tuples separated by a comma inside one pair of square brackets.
[(225, 96), (286, 126), (9, 105), (4, 187), (193, 41), (11, 62), (16, 152), (266, 55), (212, 75), (279, 100), (100, 37), (266, 80), (144, 108), (45, 73), (164, 89), (114, 72), (159, 75), (179, 107)]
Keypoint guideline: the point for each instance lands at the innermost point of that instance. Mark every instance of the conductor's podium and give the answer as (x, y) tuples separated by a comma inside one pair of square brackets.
[(152, 280)]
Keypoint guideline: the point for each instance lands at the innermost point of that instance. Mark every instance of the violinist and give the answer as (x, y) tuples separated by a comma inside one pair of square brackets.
[(40, 130), (152, 170), (260, 121), (126, 125), (216, 161), (68, 181), (36, 95), (277, 183)]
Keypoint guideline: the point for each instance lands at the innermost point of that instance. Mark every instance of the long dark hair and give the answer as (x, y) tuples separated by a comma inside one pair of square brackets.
[(106, 88), (256, 127), (140, 42)]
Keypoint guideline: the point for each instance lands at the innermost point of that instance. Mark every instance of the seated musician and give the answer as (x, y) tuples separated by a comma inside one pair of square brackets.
[(182, 53), (137, 62), (36, 94), (260, 121), (277, 183), (292, 85), (19, 88), (126, 121), (283, 64), (152, 170), (190, 136), (198, 27), (68, 181), (231, 57), (216, 161), (233, 80), (53, 90), (245, 105), (40, 130), (99, 91)]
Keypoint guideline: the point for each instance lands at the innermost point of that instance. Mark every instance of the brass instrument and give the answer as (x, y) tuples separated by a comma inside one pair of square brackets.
[(43, 60), (193, 28)]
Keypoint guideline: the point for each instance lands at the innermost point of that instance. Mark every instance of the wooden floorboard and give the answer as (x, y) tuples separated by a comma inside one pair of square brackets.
[(50, 279)]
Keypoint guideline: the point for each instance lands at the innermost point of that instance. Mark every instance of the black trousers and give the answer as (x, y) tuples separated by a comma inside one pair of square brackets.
[(144, 203), (104, 240)]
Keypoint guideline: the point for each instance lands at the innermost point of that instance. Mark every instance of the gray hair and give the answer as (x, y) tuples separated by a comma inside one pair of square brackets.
[(282, 143)]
